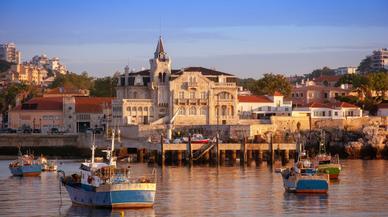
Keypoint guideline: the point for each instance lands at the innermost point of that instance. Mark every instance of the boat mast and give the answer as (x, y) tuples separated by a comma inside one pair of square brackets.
[(112, 147), (93, 146)]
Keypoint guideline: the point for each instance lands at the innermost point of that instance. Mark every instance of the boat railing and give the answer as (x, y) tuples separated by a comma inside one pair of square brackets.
[(110, 175)]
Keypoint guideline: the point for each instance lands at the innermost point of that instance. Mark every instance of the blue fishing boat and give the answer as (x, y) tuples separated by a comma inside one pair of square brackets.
[(25, 165), (107, 186), (303, 177)]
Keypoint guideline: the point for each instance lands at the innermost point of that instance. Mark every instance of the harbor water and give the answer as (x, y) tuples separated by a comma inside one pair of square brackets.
[(209, 191)]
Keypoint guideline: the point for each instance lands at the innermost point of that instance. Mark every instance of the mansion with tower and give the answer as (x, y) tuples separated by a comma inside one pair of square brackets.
[(187, 96)]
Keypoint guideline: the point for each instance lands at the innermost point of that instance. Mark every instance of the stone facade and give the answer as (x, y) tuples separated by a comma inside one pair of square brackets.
[(188, 96)]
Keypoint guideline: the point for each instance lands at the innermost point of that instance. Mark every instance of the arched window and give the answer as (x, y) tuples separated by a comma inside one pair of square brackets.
[(140, 109), (128, 109), (134, 109), (224, 111), (160, 77), (204, 110), (164, 77), (193, 111), (182, 111)]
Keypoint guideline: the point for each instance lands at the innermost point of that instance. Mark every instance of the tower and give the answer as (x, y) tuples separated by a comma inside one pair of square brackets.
[(160, 65), (160, 71)]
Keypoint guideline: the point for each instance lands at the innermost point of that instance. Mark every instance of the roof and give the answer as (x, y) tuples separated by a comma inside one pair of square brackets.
[(344, 105), (330, 105), (91, 104), (277, 93), (317, 105), (65, 90), (204, 71), (42, 103), (159, 47), (261, 99)]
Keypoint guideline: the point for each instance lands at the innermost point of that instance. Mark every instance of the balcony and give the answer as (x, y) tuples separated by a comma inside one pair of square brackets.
[(227, 84)]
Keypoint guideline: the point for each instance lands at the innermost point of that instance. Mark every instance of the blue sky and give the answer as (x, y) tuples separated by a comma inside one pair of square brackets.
[(247, 38)]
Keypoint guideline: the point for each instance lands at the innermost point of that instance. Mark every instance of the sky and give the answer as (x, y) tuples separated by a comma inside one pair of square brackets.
[(246, 38)]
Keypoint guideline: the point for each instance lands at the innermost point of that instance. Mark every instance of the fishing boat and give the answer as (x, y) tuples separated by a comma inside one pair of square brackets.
[(107, 186), (303, 177), (325, 163), (47, 165), (25, 165)]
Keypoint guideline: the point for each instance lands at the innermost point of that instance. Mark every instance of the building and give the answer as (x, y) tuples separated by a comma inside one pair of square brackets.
[(9, 53), (302, 95), (68, 114), (188, 96), (345, 70), (64, 91), (259, 107), (379, 59), (338, 110), (382, 110), (53, 65)]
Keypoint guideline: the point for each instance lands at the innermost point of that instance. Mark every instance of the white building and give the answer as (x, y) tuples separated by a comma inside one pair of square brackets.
[(380, 59), (258, 107), (339, 110), (345, 70), (9, 53)]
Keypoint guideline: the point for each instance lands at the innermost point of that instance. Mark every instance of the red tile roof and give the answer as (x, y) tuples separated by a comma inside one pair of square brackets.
[(91, 104), (344, 105), (330, 105), (262, 99), (42, 103), (317, 105), (277, 93)]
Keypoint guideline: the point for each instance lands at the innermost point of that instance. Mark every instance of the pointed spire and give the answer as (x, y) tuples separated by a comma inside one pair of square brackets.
[(159, 48)]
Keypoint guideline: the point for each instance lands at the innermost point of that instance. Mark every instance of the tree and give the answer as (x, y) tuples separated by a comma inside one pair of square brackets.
[(271, 83), (365, 65), (246, 83), (378, 82), (320, 72), (72, 80), (104, 87)]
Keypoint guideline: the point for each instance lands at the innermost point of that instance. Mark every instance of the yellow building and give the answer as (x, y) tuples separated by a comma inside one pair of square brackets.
[(188, 96)]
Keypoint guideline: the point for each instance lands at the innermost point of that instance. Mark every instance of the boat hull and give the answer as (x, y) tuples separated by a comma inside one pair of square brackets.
[(311, 184), (30, 170), (136, 196), (333, 170)]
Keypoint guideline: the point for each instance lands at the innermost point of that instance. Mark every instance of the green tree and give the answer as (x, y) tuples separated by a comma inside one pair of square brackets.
[(72, 80), (325, 71), (104, 87), (246, 83), (378, 82), (365, 65), (271, 83)]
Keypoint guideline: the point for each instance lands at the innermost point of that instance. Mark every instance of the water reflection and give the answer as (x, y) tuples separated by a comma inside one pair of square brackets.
[(76, 210), (210, 191)]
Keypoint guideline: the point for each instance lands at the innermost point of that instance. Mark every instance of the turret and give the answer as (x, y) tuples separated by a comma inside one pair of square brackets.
[(160, 65)]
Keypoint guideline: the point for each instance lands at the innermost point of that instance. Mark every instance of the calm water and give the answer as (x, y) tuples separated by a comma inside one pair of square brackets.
[(210, 191)]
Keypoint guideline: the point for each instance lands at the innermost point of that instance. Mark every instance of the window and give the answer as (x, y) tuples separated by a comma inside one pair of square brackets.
[(224, 110), (297, 95), (134, 109), (329, 114), (343, 94), (335, 113), (326, 95), (269, 108), (336, 94), (145, 109), (316, 114), (182, 111), (323, 113), (292, 94), (204, 95), (203, 110), (192, 95), (259, 109), (181, 95), (301, 94), (193, 111), (129, 109), (286, 109), (140, 109)]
